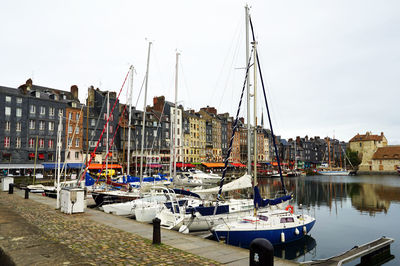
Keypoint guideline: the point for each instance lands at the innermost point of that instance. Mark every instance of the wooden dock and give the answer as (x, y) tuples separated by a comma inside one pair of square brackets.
[(377, 251)]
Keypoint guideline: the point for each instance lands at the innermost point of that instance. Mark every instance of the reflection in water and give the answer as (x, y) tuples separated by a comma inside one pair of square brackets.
[(327, 191), (296, 249)]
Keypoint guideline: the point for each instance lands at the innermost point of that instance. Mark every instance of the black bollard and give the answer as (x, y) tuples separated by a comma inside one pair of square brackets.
[(10, 188), (156, 231), (26, 193), (261, 252)]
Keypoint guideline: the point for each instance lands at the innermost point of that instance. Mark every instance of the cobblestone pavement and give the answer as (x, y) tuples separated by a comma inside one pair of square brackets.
[(95, 243)]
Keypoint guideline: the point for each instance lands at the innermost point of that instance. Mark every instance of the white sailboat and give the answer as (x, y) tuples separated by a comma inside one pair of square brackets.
[(276, 225)]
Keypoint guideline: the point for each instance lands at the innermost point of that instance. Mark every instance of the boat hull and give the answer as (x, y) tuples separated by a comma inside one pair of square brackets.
[(243, 238)]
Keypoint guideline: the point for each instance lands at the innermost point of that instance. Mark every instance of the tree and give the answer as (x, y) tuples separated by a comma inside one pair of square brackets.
[(353, 157)]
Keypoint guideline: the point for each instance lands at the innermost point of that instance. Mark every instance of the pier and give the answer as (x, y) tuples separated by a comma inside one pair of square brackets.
[(372, 253), (33, 232)]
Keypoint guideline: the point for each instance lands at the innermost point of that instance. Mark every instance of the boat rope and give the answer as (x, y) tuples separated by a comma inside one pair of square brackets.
[(269, 116), (235, 126), (104, 128)]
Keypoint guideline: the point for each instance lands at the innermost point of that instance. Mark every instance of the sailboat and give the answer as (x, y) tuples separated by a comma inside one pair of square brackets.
[(276, 225), (332, 171)]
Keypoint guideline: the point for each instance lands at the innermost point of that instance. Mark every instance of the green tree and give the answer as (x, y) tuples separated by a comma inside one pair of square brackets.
[(353, 157)]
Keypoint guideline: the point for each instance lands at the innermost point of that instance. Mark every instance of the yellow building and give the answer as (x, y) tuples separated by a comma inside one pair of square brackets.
[(192, 137), (202, 138), (366, 146), (386, 159)]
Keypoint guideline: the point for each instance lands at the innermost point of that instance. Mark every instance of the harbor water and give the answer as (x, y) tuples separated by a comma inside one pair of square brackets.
[(349, 211)]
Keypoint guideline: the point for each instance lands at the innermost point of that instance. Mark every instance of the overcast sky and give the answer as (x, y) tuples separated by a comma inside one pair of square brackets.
[(332, 67)]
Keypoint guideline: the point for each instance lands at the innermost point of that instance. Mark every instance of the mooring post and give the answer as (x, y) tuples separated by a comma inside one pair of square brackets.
[(156, 231), (10, 188), (261, 252), (26, 193)]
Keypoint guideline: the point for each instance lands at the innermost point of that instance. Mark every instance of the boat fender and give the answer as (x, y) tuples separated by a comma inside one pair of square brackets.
[(184, 229), (289, 208), (304, 229), (296, 231), (283, 237)]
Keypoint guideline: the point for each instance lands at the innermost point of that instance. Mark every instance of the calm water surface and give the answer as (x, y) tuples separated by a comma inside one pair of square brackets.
[(349, 211)]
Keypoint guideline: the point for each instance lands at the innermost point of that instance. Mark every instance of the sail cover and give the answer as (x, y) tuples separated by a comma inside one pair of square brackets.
[(240, 183)]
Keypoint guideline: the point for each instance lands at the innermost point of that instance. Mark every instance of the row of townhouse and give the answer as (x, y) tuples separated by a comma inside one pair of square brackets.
[(29, 122)]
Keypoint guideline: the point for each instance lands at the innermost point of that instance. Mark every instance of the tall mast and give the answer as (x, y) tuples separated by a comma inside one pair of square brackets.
[(107, 148), (130, 121), (248, 93), (255, 113), (176, 111), (59, 145), (144, 113)]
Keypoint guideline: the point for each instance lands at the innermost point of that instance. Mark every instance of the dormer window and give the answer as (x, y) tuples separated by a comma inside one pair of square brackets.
[(37, 94), (73, 104)]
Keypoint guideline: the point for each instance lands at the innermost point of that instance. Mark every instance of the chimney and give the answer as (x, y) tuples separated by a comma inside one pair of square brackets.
[(24, 88), (381, 134), (74, 92), (158, 103)]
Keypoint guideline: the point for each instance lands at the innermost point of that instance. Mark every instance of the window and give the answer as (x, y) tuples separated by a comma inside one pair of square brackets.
[(31, 124), (51, 111), (42, 125), (68, 155), (8, 99), (110, 129), (111, 117), (31, 143), (69, 141), (77, 143), (18, 112), (42, 110), (77, 130), (41, 143), (60, 112), (19, 100), (32, 109), (93, 122), (69, 129), (7, 110), (6, 142), (18, 142), (51, 126), (18, 126), (76, 155), (70, 116), (105, 116), (51, 143), (8, 126), (77, 117)]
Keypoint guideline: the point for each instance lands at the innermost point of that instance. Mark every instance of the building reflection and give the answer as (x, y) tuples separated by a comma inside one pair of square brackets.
[(333, 192)]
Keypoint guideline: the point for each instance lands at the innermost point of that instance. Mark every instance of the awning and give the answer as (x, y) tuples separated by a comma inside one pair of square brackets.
[(6, 154), (211, 165), (51, 166), (96, 166), (153, 165), (31, 155), (258, 165), (184, 165), (75, 165), (21, 166), (41, 156), (238, 165)]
